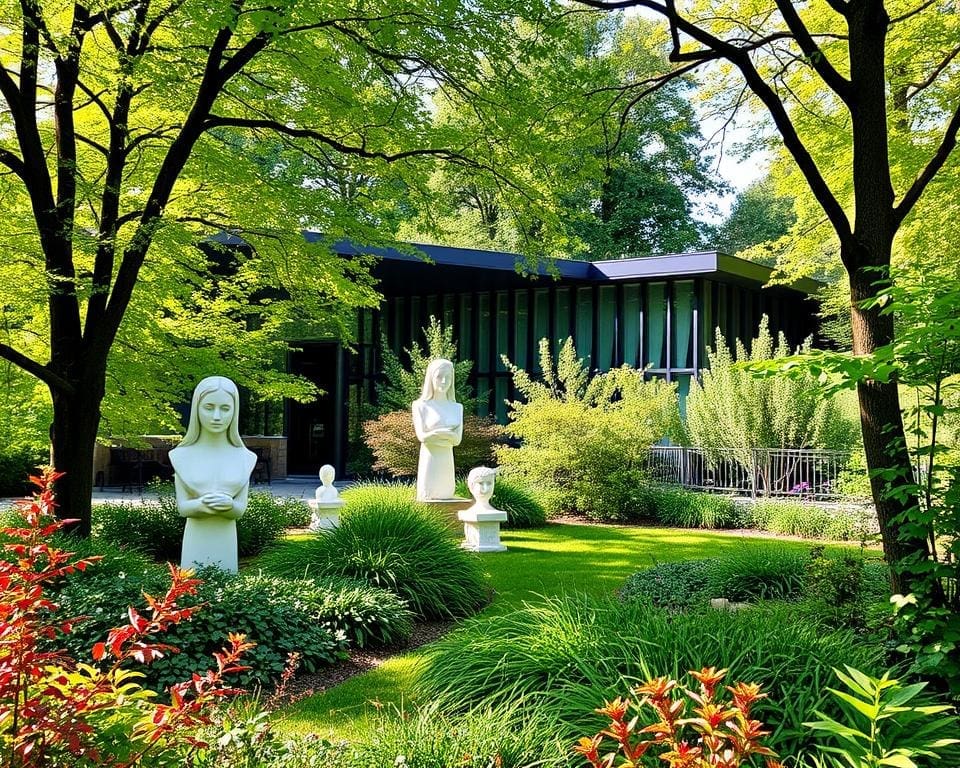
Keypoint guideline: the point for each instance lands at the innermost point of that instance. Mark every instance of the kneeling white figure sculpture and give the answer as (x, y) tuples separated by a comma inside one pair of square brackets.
[(212, 476), (481, 522), (438, 423), (326, 503)]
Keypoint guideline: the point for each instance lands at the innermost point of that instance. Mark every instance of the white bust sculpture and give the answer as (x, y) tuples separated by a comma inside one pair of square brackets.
[(481, 522), (327, 493), (212, 477), (481, 482), (438, 422)]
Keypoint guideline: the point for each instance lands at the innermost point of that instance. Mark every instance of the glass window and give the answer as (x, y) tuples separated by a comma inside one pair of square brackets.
[(503, 390), (584, 339), (735, 311), (706, 319), (541, 323), (606, 332), (681, 323), (720, 319), (465, 331), (449, 311), (503, 328), (656, 325), (632, 317), (563, 317), (395, 315), (683, 389), (416, 322), (433, 308), (522, 323), (483, 395), (483, 343)]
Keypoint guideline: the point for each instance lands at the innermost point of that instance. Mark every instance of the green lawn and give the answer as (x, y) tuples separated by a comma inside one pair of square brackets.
[(546, 561)]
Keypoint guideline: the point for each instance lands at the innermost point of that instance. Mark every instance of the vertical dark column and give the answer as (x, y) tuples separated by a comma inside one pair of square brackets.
[(668, 333), (618, 329), (697, 304), (492, 345), (375, 355), (511, 299), (552, 317), (474, 331), (403, 338), (342, 395), (531, 323), (595, 336), (644, 309)]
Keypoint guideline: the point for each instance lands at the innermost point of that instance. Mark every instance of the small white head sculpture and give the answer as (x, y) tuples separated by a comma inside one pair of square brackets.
[(481, 482), (327, 491)]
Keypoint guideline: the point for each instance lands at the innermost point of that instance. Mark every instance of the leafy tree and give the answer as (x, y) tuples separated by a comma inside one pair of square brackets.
[(732, 408), (870, 71), (136, 130), (758, 216), (624, 188)]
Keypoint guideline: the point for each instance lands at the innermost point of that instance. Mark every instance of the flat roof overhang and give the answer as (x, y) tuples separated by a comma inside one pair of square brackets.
[(466, 269)]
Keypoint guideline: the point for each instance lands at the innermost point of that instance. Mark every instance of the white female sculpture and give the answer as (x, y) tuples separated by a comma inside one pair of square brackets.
[(212, 476), (438, 422)]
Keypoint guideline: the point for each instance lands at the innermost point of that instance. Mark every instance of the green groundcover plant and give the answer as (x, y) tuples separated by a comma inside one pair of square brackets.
[(387, 540)]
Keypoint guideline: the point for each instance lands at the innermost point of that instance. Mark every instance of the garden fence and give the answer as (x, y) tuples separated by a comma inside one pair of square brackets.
[(755, 472)]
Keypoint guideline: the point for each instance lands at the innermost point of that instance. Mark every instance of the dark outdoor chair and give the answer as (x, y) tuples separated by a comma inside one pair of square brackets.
[(262, 469)]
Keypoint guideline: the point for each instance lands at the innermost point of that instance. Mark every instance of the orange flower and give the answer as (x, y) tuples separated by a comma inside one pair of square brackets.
[(709, 677), (589, 748), (656, 688), (744, 695), (616, 710)]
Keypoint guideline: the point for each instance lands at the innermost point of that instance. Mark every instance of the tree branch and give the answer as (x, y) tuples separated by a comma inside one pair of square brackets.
[(31, 366), (833, 79), (929, 80), (14, 163), (219, 121), (936, 162), (903, 17)]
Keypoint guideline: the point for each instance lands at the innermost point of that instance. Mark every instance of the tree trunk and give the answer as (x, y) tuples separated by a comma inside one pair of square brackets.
[(74, 435), (884, 440)]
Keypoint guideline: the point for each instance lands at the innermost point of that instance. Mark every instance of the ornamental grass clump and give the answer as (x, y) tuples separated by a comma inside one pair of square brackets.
[(563, 655), (387, 540)]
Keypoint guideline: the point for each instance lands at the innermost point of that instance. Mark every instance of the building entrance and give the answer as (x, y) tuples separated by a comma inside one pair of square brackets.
[(315, 430)]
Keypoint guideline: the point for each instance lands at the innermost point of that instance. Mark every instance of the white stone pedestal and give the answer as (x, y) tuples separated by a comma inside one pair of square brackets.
[(481, 530), (326, 514)]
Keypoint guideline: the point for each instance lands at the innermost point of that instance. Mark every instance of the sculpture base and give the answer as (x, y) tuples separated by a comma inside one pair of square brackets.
[(447, 509), (481, 530), (325, 514)]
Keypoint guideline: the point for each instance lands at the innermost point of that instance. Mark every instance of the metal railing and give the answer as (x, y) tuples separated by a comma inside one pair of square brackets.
[(807, 473)]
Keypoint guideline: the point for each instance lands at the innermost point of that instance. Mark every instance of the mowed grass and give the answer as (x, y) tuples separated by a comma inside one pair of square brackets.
[(546, 561)]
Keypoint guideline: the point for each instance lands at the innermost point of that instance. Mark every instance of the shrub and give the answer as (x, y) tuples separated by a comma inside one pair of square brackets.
[(842, 586), (55, 711), (795, 518), (267, 610), (395, 447), (676, 586), (583, 442), (681, 508), (155, 527), (521, 505), (388, 540), (758, 573), (17, 463), (563, 655), (731, 407)]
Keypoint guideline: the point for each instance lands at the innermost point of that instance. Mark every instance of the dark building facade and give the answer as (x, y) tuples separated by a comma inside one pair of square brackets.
[(658, 313)]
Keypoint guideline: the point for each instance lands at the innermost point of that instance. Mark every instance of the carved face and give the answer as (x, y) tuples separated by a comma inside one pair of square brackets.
[(216, 411), (327, 473), (482, 488), (442, 379)]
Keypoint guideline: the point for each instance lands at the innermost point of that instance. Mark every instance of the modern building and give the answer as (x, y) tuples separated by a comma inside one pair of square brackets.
[(658, 313)]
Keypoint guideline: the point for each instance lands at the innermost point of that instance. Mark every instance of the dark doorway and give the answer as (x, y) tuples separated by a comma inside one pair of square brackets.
[(313, 429)]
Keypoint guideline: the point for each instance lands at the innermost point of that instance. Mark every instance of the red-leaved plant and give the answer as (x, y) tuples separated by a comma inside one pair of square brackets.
[(55, 710), (718, 734)]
